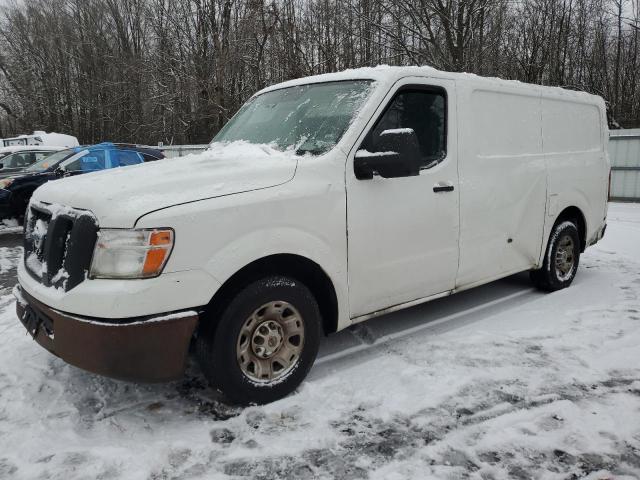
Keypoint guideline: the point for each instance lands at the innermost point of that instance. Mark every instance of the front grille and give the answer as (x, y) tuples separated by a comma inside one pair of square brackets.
[(58, 244)]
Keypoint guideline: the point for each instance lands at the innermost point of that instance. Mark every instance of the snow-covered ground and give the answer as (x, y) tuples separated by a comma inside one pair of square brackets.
[(9, 226), (498, 382)]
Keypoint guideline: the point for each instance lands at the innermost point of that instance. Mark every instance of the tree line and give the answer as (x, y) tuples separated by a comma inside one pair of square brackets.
[(175, 70)]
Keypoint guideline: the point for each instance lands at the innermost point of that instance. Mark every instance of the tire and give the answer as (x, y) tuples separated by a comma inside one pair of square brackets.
[(20, 204), (254, 336), (561, 258)]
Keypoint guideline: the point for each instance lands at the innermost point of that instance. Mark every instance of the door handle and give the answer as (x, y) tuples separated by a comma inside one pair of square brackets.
[(443, 187)]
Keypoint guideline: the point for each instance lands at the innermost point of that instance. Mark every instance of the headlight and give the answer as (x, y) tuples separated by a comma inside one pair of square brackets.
[(131, 253), (6, 182)]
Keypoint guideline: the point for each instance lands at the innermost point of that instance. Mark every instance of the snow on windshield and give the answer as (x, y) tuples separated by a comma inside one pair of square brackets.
[(307, 118)]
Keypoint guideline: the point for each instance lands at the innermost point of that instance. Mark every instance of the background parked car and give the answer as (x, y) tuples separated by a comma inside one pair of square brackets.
[(16, 190), (4, 151), (12, 163), (41, 138)]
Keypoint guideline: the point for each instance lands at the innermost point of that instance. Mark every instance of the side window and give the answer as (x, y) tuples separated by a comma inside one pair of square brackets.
[(149, 158), (27, 159), (22, 159), (41, 155), (91, 161), (16, 160), (424, 112), (124, 158)]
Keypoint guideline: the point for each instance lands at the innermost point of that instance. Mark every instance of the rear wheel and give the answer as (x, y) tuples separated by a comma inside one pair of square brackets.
[(561, 258), (264, 343)]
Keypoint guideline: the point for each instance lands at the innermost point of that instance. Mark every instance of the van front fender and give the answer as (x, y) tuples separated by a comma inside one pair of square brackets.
[(259, 244)]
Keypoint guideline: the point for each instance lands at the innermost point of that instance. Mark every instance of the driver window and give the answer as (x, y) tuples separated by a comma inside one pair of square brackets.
[(423, 111), (92, 161)]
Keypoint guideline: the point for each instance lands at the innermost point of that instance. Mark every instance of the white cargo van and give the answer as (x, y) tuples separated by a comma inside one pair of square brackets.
[(41, 138), (323, 202)]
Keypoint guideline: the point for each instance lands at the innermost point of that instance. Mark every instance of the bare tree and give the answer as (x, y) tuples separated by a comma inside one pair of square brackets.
[(162, 70)]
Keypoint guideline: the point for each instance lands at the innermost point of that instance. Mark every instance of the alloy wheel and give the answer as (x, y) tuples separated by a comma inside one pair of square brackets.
[(565, 258), (270, 342)]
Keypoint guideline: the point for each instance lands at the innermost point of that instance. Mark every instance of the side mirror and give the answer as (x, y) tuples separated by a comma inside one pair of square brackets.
[(397, 155), (59, 172)]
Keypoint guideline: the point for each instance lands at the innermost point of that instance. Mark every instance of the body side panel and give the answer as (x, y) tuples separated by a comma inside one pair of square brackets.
[(502, 180)]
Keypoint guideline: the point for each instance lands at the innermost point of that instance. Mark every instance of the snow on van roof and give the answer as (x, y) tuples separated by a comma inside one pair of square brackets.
[(388, 75)]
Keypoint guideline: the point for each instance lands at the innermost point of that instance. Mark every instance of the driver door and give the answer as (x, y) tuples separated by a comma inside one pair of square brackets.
[(403, 231)]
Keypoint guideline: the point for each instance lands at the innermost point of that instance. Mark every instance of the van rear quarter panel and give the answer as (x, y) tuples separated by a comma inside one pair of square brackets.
[(574, 143), (502, 179), (526, 154)]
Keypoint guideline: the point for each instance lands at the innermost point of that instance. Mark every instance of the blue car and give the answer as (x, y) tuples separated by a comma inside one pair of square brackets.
[(16, 190)]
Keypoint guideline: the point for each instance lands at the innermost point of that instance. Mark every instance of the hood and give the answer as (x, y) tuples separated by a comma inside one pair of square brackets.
[(118, 197)]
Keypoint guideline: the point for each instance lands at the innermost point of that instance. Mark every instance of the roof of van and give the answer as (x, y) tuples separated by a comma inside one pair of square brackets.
[(391, 74)]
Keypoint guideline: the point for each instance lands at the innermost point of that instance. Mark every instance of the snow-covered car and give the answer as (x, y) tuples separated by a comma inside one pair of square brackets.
[(323, 202), (22, 157)]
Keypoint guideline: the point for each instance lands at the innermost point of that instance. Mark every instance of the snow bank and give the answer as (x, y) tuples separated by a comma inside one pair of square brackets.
[(402, 131), (367, 153), (9, 225)]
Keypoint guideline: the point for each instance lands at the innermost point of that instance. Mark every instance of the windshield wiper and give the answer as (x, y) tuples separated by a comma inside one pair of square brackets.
[(312, 151)]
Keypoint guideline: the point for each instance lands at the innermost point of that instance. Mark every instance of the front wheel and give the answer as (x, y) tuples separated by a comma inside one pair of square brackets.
[(264, 342), (561, 258)]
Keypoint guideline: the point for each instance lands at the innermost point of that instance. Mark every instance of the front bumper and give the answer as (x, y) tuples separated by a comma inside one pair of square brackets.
[(149, 349), (116, 299)]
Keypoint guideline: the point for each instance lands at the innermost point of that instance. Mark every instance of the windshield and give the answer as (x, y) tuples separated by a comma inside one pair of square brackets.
[(308, 118), (52, 160)]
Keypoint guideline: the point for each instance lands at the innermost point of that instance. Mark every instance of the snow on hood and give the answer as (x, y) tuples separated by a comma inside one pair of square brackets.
[(118, 197)]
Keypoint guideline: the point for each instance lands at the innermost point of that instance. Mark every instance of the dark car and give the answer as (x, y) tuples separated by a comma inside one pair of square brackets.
[(16, 190)]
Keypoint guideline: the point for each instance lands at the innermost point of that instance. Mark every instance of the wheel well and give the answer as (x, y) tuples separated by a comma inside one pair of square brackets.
[(575, 214), (295, 266)]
